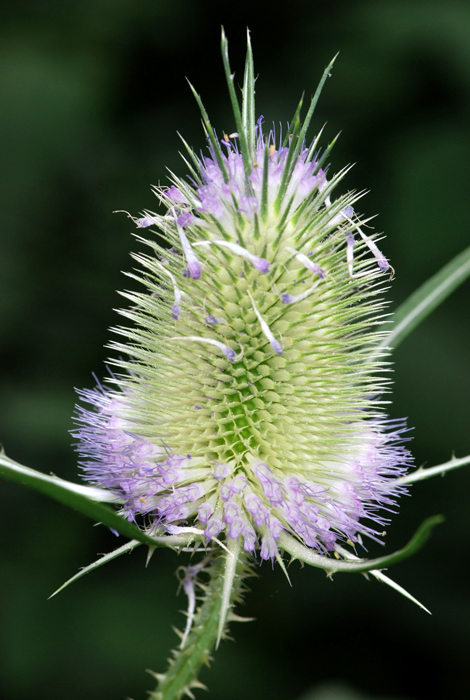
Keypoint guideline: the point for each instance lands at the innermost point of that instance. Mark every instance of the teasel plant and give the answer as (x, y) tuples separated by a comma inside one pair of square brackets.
[(243, 417)]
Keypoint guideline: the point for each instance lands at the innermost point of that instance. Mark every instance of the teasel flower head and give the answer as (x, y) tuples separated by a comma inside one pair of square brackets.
[(252, 399)]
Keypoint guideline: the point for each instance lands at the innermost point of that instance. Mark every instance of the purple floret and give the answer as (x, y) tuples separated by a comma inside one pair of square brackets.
[(261, 264), (185, 219), (194, 267), (229, 353)]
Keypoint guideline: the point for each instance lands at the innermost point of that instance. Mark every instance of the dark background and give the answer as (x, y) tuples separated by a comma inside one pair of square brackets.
[(92, 94)]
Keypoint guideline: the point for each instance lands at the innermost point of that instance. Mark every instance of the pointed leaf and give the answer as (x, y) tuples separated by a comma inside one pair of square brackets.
[(128, 547), (248, 104), (231, 561), (280, 561), (294, 120), (211, 134), (265, 190), (235, 106), (291, 161), (388, 581), (381, 577), (299, 134), (313, 103)]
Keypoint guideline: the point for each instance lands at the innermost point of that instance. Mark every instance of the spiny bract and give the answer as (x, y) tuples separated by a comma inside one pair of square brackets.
[(251, 400)]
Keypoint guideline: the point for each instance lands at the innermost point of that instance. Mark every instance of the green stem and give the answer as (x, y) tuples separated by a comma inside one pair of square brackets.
[(421, 473), (186, 663)]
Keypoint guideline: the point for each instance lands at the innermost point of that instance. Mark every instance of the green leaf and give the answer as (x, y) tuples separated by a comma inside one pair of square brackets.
[(265, 190), (226, 598), (210, 134), (290, 164), (85, 499), (308, 556), (427, 298), (299, 134), (48, 483), (230, 77), (295, 119), (248, 104), (128, 547)]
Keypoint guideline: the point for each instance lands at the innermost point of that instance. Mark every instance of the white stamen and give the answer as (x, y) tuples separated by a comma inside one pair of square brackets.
[(260, 263), (178, 530), (194, 266), (381, 259), (350, 252), (309, 264), (143, 222), (275, 344), (350, 255), (188, 585), (177, 305), (227, 351), (290, 299)]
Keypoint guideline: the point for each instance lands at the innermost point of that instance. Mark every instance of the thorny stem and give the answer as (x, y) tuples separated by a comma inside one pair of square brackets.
[(186, 663), (421, 474)]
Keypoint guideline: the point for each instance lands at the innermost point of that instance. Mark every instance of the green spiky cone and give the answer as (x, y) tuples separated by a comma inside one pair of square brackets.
[(250, 404)]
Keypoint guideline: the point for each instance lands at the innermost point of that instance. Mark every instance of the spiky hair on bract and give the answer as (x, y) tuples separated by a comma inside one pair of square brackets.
[(251, 403)]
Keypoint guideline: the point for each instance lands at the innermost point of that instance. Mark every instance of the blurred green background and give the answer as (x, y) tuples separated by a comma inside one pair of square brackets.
[(92, 95)]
